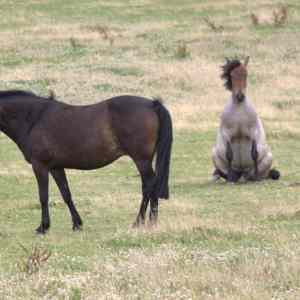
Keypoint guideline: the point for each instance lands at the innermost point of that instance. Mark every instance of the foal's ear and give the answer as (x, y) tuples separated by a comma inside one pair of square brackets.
[(246, 61)]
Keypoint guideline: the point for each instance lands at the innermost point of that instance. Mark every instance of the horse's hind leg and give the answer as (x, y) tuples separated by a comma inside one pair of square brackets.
[(148, 180), (60, 178), (153, 209), (265, 165)]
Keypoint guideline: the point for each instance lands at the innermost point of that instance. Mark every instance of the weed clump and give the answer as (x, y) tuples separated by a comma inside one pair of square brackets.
[(35, 258), (279, 17), (182, 50), (212, 25)]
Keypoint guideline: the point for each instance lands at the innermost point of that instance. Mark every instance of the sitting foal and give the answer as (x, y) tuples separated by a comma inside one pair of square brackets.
[(241, 148)]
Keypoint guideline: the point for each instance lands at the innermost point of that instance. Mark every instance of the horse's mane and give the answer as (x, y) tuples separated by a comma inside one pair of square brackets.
[(22, 93), (227, 68), (13, 93)]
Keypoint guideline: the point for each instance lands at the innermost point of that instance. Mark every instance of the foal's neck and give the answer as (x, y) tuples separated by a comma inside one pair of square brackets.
[(234, 101)]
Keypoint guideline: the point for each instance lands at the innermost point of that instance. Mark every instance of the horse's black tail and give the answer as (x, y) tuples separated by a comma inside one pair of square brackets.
[(274, 174), (163, 150)]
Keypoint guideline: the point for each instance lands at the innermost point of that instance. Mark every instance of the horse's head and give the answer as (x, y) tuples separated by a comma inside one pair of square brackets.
[(235, 75)]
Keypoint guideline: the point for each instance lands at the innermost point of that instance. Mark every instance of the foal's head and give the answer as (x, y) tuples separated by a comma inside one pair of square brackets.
[(235, 76)]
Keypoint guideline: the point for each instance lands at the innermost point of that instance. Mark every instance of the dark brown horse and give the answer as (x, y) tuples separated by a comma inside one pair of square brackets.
[(54, 136)]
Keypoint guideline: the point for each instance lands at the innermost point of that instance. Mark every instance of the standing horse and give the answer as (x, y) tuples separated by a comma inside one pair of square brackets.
[(241, 148), (54, 136)]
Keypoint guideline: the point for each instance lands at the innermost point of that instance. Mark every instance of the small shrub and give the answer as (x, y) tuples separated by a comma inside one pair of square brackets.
[(280, 16), (75, 294), (104, 32), (254, 19), (74, 43), (284, 105), (212, 25), (182, 51), (34, 260), (76, 49)]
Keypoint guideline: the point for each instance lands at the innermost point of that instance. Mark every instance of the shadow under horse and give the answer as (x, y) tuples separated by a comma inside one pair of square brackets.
[(241, 148), (54, 136)]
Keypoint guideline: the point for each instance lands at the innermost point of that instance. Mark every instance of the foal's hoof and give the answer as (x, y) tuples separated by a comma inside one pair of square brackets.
[(216, 175), (233, 177)]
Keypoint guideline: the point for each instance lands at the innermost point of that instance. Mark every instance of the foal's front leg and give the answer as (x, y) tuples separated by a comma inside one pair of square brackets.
[(231, 176), (254, 154), (42, 176)]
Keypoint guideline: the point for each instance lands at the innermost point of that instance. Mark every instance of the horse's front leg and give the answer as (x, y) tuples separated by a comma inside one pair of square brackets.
[(60, 178), (42, 176)]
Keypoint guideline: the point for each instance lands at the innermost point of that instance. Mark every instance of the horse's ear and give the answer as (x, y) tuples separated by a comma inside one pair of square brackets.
[(52, 95), (246, 61)]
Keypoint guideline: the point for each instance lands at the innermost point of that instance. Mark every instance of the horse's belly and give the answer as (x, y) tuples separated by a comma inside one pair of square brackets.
[(242, 158), (86, 161), (86, 155)]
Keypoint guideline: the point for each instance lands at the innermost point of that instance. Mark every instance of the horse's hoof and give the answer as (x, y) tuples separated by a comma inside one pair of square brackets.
[(138, 223), (41, 230), (215, 178), (135, 225), (152, 223), (77, 227)]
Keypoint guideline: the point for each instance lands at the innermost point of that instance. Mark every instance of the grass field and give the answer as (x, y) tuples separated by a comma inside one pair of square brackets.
[(213, 240)]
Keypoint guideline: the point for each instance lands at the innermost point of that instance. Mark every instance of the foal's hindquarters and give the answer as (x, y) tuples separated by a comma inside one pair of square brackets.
[(241, 149), (242, 164)]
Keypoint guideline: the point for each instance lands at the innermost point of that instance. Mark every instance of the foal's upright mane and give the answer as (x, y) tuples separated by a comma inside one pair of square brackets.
[(230, 65)]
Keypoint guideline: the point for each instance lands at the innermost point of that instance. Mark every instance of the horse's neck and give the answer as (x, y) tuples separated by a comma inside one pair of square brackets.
[(18, 118)]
